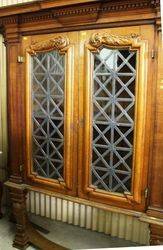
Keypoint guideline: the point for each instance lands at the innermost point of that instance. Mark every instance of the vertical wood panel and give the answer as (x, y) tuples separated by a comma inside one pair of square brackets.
[(156, 172)]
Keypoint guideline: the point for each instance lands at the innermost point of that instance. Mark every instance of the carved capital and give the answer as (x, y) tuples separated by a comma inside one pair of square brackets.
[(11, 30), (97, 40), (60, 43)]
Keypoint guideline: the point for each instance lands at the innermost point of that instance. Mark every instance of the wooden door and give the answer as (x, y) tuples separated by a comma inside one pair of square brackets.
[(115, 115), (51, 111)]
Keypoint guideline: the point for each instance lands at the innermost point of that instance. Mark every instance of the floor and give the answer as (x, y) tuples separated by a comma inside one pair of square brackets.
[(69, 236)]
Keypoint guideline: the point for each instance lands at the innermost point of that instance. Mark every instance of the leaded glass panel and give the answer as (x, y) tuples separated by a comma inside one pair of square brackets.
[(48, 76), (114, 76)]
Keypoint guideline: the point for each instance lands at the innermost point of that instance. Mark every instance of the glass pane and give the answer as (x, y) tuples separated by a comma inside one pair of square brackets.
[(114, 77), (48, 76)]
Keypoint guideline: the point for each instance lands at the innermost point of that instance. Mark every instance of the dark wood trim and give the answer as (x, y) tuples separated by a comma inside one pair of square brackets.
[(89, 27)]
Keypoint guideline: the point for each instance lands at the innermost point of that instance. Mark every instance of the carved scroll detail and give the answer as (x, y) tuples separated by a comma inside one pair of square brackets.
[(99, 39), (60, 43)]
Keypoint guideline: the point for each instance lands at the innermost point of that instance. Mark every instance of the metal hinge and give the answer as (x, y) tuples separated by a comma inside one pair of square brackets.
[(146, 191), (21, 168), (153, 54), (20, 59)]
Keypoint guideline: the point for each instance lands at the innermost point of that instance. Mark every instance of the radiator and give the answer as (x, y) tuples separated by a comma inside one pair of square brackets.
[(89, 217)]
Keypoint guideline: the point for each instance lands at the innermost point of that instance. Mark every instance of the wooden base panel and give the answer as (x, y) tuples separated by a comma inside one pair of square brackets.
[(156, 237), (19, 246), (18, 198)]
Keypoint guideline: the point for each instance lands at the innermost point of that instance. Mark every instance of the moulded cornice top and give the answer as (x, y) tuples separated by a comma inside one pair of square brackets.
[(48, 4)]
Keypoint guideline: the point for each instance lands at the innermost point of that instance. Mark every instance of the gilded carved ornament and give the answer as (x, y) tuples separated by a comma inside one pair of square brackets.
[(59, 43), (99, 39)]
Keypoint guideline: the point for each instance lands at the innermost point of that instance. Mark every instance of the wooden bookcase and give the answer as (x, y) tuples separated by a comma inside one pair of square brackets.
[(77, 36)]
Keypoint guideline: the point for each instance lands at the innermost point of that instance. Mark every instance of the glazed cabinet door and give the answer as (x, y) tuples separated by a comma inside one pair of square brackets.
[(89, 113), (114, 133), (51, 111)]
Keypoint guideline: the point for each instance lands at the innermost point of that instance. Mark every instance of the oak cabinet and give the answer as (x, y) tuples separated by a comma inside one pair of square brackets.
[(85, 106)]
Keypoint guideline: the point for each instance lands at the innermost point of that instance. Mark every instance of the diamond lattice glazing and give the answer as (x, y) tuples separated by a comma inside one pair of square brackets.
[(48, 114), (113, 119)]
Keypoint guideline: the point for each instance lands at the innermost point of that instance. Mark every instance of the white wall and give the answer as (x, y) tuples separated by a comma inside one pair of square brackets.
[(11, 2)]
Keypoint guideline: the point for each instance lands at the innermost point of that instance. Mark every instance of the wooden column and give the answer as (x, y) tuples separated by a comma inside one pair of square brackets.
[(15, 104), (15, 100), (18, 194), (155, 208)]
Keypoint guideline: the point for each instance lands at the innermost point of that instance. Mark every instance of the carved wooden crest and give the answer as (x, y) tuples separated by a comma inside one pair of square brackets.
[(59, 43), (99, 39)]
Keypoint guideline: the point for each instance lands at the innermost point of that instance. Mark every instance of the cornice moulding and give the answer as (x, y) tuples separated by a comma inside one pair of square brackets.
[(87, 8)]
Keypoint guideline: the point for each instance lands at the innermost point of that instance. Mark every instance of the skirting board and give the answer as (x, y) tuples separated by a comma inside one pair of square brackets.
[(111, 223)]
